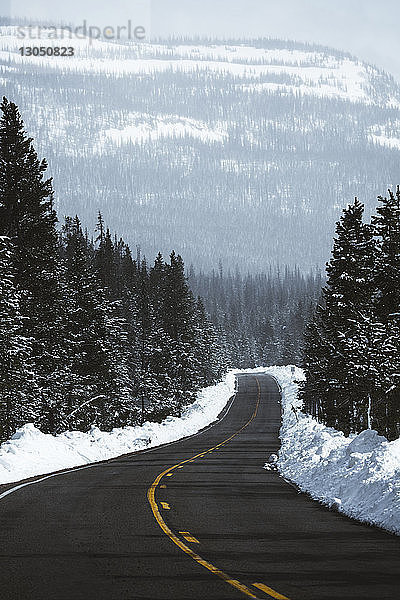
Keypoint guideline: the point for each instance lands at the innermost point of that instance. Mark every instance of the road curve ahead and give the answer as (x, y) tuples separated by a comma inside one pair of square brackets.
[(195, 520)]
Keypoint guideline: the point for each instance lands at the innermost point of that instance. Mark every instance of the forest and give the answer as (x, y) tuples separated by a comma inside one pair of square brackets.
[(90, 333), (87, 333), (260, 318)]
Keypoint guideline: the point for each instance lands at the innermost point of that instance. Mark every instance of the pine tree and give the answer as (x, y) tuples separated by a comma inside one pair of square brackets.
[(387, 309), (315, 359), (16, 385), (387, 275), (160, 346), (209, 354), (87, 335), (28, 219), (178, 320), (106, 262), (99, 378), (336, 372)]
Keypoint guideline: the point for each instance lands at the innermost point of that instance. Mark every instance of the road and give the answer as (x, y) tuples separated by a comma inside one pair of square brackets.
[(199, 519)]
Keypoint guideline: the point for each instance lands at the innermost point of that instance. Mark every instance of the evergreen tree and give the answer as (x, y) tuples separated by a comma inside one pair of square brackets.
[(16, 389), (342, 381), (106, 263), (99, 374), (387, 308), (211, 362), (87, 335), (28, 218), (178, 319), (387, 269)]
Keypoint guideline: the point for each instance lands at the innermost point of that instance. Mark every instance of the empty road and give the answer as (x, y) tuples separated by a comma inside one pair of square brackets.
[(199, 519)]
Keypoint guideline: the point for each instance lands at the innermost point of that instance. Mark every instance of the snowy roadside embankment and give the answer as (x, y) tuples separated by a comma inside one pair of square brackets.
[(359, 475), (30, 452)]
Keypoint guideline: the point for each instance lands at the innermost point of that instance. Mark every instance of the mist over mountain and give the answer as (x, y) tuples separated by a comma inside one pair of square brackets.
[(243, 153)]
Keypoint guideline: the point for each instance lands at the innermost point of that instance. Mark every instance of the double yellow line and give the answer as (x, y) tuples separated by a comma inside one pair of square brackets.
[(174, 538)]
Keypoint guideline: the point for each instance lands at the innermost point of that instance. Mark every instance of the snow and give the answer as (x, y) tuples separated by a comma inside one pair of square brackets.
[(383, 140), (235, 52), (358, 475), (30, 452), (332, 90), (145, 127), (387, 134)]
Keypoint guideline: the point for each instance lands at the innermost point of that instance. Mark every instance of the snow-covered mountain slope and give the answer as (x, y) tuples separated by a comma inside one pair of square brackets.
[(244, 152)]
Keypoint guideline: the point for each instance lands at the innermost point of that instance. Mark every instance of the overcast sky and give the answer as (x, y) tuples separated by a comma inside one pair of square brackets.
[(366, 28)]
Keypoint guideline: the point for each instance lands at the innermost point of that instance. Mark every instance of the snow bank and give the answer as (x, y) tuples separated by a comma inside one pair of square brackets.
[(359, 475), (30, 452)]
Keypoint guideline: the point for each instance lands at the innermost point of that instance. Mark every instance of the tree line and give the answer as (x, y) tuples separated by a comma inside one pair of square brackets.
[(88, 333), (260, 318), (352, 347)]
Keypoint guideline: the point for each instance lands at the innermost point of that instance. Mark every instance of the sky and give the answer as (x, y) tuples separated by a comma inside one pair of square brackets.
[(366, 28)]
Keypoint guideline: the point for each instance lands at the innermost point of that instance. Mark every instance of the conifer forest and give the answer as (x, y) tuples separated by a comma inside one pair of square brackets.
[(88, 334)]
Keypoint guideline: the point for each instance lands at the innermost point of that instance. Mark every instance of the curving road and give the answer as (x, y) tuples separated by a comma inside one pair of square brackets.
[(195, 520)]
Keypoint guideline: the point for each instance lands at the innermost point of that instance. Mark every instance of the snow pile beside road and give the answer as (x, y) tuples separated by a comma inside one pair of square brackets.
[(359, 475), (30, 452)]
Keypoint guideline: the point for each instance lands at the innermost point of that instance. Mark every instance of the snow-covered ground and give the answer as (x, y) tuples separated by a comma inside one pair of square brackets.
[(143, 127), (30, 452), (359, 475)]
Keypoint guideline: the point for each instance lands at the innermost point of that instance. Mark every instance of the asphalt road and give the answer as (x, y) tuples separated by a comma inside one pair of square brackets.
[(162, 525)]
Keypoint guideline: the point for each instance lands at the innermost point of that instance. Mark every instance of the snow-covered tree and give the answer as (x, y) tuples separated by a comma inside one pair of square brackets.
[(95, 336), (387, 308), (342, 378), (16, 385), (99, 365), (387, 268), (28, 219)]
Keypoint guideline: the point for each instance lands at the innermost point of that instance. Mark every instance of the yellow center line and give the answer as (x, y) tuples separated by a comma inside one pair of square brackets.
[(270, 591), (189, 537), (175, 539)]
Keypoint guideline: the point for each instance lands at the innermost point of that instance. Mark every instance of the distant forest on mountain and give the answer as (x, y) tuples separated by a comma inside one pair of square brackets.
[(248, 161)]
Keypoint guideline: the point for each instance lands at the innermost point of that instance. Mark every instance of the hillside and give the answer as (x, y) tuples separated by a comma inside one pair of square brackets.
[(243, 153)]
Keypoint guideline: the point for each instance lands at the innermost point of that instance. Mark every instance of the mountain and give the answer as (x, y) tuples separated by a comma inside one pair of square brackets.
[(243, 153)]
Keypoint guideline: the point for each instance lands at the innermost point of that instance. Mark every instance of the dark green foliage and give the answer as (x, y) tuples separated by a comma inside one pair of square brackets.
[(15, 350), (352, 348), (98, 344), (387, 271), (28, 219)]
